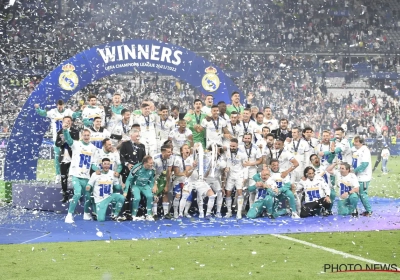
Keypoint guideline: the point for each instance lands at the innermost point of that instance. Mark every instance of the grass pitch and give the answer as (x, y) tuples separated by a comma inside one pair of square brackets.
[(236, 257)]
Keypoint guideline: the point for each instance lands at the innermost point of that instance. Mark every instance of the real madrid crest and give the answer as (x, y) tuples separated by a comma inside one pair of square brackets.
[(68, 80), (210, 81)]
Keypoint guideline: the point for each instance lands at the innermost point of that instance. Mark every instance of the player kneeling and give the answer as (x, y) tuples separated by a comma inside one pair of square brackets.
[(266, 190), (348, 189), (316, 193), (104, 185)]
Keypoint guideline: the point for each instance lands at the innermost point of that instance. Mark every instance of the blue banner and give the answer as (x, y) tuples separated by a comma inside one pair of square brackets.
[(93, 64)]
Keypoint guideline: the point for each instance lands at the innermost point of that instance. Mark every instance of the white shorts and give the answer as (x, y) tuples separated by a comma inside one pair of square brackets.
[(215, 184), (201, 188), (232, 182)]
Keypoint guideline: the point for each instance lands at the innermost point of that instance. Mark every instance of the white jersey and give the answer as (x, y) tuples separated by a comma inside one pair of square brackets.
[(214, 130), (312, 143), (262, 192), (235, 130), (97, 136), (359, 156), (323, 148), (248, 127), (261, 144), (257, 133), (103, 185), (284, 157), (273, 124), (83, 155), (147, 128), (114, 158), (314, 190), (225, 117), (161, 165), (179, 139), (115, 118), (320, 171), (164, 128), (268, 152), (235, 162), (277, 177), (346, 154), (253, 154), (118, 127), (91, 112), (300, 149), (181, 164), (56, 118), (346, 183)]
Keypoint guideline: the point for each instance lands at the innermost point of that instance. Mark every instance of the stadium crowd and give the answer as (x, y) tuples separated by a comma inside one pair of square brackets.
[(44, 33), (224, 24), (359, 111)]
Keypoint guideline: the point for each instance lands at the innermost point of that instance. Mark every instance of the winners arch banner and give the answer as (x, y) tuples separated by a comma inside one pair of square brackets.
[(91, 65)]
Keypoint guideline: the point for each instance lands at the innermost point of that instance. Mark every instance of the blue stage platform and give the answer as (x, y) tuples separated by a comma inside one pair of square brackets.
[(27, 226)]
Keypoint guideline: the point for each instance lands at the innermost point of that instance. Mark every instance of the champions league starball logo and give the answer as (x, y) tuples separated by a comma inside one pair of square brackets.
[(68, 80), (210, 81)]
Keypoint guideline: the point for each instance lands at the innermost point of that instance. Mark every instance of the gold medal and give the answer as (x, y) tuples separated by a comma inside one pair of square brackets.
[(217, 131), (164, 172), (295, 153), (147, 128)]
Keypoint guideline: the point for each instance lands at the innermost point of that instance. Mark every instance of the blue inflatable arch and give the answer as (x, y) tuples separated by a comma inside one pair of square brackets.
[(91, 65)]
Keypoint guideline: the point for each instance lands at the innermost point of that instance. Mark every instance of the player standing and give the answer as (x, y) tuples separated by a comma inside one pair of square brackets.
[(215, 127), (215, 166), (180, 136), (363, 170), (194, 120), (98, 133), (162, 165), (236, 158), (91, 111), (234, 128), (56, 116), (147, 122), (235, 106), (164, 126), (83, 156)]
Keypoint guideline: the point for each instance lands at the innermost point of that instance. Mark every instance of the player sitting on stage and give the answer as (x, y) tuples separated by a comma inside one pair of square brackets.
[(315, 194), (104, 186), (266, 190)]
